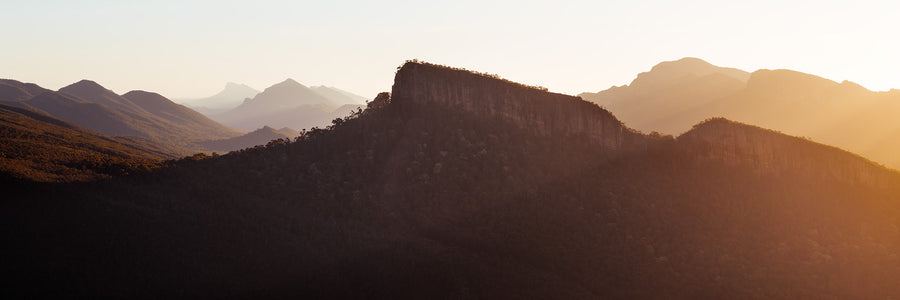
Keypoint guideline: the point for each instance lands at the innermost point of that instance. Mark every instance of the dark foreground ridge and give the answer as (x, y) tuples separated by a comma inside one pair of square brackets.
[(463, 186)]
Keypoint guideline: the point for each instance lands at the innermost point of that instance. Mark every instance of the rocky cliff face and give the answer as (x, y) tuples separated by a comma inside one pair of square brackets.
[(771, 152), (529, 107)]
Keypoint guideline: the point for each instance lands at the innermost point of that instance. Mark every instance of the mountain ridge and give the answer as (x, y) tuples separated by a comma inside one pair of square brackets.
[(789, 101), (289, 104), (464, 185)]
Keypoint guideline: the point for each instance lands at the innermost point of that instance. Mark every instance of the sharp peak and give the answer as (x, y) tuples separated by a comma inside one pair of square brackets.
[(290, 80), (287, 83), (86, 82)]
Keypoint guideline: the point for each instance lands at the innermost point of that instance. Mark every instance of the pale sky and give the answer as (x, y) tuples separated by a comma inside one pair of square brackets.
[(191, 48)]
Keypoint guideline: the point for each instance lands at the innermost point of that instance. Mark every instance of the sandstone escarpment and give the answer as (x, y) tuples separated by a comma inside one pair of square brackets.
[(771, 152), (545, 113)]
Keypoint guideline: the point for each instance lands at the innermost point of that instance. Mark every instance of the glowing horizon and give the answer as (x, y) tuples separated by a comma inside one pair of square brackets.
[(191, 50)]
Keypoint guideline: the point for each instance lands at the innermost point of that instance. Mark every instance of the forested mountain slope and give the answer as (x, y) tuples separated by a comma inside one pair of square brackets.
[(38, 147), (462, 185)]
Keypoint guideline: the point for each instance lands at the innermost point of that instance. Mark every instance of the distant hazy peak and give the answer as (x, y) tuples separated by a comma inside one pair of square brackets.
[(286, 83), (687, 62), (672, 71), (234, 85)]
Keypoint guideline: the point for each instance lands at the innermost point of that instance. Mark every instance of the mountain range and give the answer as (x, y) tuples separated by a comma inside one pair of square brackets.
[(458, 184), (136, 113), (231, 96), (674, 95), (291, 104), (150, 118)]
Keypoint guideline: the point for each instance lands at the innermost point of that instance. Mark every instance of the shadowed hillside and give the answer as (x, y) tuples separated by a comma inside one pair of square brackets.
[(463, 185), (38, 147)]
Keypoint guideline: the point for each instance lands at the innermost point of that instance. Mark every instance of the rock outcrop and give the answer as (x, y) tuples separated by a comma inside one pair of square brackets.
[(548, 114)]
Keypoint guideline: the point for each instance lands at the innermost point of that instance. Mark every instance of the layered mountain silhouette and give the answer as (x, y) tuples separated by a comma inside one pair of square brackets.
[(230, 97), (16, 91), (194, 123), (673, 96), (92, 92), (464, 185), (291, 104), (139, 114)]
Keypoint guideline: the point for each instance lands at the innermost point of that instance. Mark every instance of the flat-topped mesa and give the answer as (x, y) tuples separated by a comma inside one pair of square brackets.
[(548, 114)]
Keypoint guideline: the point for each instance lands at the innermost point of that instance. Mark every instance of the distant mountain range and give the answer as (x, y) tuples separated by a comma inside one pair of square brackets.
[(230, 97), (139, 114), (461, 185), (674, 95), (291, 104), (150, 117)]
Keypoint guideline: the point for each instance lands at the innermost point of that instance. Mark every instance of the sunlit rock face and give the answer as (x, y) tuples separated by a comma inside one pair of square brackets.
[(529, 107)]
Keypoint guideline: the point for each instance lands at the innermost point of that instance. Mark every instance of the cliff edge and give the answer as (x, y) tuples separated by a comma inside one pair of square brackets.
[(548, 114)]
